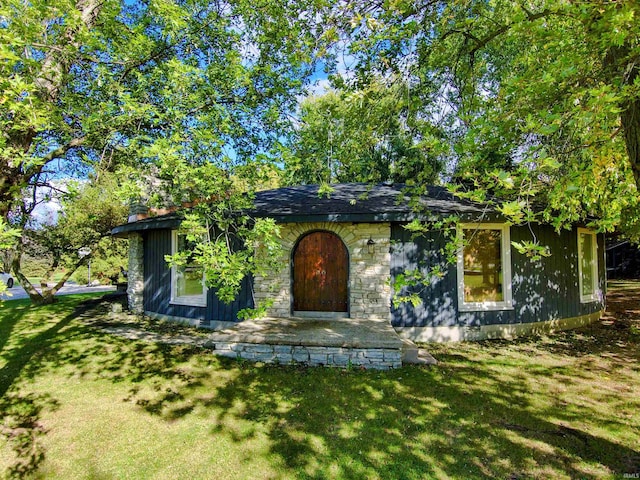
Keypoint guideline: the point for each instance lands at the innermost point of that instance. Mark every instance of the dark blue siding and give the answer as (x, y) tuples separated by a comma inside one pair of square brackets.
[(439, 298), (542, 290), (157, 286)]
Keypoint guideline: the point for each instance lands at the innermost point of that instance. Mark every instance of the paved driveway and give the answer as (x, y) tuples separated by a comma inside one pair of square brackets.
[(18, 292)]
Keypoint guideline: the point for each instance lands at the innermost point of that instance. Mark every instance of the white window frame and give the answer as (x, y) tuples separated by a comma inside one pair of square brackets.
[(505, 250), (595, 296), (190, 300)]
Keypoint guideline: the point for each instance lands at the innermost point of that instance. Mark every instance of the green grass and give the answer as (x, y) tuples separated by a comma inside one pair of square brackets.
[(78, 403)]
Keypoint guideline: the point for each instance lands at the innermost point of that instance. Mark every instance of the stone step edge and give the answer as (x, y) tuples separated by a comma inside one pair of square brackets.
[(345, 357), (413, 355)]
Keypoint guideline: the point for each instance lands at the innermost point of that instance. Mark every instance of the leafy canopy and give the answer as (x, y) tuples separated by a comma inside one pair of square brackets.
[(370, 135), (185, 93), (540, 99)]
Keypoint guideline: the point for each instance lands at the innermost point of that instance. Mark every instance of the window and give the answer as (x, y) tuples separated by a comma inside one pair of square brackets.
[(484, 268), (587, 265), (187, 282)]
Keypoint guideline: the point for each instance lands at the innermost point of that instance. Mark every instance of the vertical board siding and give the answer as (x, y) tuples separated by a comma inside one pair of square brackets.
[(157, 286), (439, 299), (546, 289)]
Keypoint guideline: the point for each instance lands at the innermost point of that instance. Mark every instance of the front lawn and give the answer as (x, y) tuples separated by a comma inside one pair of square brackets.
[(76, 402)]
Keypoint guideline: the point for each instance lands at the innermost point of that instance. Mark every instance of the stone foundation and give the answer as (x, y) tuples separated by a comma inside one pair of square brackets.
[(369, 273), (369, 358), (135, 275)]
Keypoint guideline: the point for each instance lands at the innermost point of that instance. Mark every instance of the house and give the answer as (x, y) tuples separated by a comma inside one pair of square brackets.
[(343, 252)]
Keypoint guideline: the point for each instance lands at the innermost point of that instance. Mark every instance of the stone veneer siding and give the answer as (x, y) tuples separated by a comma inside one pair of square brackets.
[(135, 275), (369, 273), (369, 358)]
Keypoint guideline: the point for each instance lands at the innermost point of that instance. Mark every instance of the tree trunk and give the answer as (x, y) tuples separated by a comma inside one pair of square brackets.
[(17, 174), (70, 271), (620, 64), (36, 297), (630, 120), (47, 295), (44, 282), (10, 182)]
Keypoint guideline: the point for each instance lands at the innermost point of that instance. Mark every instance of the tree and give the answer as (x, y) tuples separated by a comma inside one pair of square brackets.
[(164, 87), (88, 214), (109, 259), (540, 99), (97, 81), (8, 238), (369, 135)]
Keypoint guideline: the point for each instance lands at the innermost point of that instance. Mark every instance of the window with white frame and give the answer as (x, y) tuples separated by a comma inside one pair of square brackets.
[(484, 267), (588, 265), (187, 281)]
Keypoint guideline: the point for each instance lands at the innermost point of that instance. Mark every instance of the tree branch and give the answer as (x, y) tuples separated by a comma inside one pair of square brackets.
[(480, 43), (66, 276), (62, 150), (55, 65)]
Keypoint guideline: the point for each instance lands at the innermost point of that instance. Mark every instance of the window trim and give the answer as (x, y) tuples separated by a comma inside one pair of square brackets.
[(505, 250), (191, 300), (595, 296)]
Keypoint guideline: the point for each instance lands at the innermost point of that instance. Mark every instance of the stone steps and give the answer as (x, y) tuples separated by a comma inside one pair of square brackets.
[(339, 343), (411, 354), (312, 355), (361, 343)]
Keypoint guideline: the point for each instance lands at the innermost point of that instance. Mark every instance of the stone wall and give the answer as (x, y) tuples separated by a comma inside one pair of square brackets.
[(369, 358), (135, 275), (369, 273)]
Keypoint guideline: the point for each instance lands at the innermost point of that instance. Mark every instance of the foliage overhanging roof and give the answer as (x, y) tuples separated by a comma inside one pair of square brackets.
[(358, 202), (344, 202)]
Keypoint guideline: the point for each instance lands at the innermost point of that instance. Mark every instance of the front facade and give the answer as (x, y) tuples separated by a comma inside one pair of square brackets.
[(358, 286), (341, 258), (498, 292)]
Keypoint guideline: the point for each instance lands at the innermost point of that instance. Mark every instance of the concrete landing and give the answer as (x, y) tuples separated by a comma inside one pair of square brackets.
[(339, 342), (344, 332), (343, 342)]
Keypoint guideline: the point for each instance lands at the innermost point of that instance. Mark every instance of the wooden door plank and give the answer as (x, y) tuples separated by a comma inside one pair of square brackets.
[(320, 273)]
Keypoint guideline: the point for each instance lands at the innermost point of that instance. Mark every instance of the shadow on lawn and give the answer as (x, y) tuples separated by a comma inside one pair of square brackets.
[(20, 412), (415, 423), (72, 342), (463, 419), (460, 420)]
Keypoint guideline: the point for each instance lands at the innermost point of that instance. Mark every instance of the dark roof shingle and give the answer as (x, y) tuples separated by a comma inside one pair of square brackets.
[(358, 202), (346, 202)]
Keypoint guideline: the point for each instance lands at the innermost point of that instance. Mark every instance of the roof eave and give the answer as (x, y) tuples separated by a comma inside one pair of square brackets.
[(122, 231), (172, 222)]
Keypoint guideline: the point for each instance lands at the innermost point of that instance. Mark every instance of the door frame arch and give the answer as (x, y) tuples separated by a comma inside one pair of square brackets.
[(292, 254)]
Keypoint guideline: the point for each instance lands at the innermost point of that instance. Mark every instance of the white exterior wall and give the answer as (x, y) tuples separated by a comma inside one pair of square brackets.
[(369, 273)]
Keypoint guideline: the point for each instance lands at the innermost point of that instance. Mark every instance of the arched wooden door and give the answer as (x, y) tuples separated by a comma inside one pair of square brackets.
[(320, 274)]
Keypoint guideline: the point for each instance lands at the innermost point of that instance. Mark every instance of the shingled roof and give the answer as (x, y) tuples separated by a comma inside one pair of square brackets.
[(357, 202), (345, 202)]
